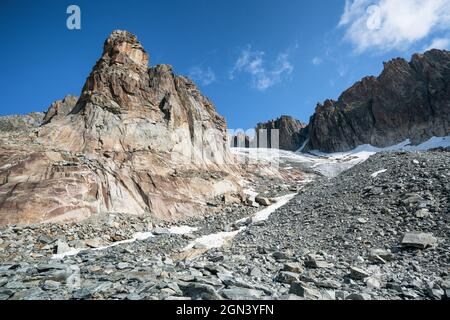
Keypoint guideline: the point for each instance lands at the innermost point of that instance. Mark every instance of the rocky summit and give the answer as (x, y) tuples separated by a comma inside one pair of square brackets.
[(139, 140), (289, 133), (409, 100)]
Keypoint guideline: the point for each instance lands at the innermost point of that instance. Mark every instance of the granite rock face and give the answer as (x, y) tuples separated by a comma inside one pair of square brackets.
[(409, 100), (139, 140), (290, 133)]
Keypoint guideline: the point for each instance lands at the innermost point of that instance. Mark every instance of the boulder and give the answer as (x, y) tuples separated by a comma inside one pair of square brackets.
[(419, 240)]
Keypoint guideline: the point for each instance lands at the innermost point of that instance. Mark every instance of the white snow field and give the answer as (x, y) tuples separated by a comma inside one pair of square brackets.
[(329, 164)]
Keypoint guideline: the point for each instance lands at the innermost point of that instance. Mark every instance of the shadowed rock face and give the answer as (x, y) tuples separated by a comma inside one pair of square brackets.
[(60, 108), (139, 140), (289, 132), (407, 101)]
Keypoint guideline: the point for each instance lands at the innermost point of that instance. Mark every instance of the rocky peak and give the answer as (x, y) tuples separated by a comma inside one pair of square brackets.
[(289, 133), (140, 140), (122, 47), (409, 100)]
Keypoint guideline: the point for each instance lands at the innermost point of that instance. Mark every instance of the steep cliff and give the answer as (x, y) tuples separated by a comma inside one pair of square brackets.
[(139, 140), (407, 101)]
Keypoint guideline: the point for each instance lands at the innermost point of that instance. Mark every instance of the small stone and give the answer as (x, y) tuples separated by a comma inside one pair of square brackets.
[(422, 213), (94, 243), (316, 261), (358, 273), (230, 199), (278, 255), (199, 291), (255, 272), (238, 293), (122, 265), (358, 296), (362, 220), (287, 277), (15, 285), (380, 255), (419, 240), (46, 240), (293, 267), (160, 231), (302, 290), (263, 201), (372, 283), (51, 285), (437, 294)]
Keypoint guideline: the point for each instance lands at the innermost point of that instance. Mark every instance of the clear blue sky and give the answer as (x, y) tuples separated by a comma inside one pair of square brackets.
[(256, 59)]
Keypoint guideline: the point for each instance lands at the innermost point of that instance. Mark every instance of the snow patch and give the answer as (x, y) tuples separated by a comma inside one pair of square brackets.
[(139, 236), (72, 252), (265, 213), (182, 230), (215, 240), (330, 164), (376, 174)]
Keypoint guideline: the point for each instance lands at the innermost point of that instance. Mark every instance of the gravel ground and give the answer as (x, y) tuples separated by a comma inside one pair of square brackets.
[(377, 231)]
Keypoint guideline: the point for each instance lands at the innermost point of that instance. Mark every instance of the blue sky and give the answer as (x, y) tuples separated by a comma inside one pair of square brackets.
[(256, 59)]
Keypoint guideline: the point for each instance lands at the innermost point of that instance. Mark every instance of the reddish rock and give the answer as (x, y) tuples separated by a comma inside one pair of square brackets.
[(140, 140)]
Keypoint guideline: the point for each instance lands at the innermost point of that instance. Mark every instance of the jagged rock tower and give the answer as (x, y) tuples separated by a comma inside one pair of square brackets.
[(139, 140)]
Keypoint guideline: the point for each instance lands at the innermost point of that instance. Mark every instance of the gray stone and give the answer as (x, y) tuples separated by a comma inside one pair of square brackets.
[(380, 256), (419, 240), (263, 201), (316, 261), (123, 265), (199, 291), (238, 293), (358, 296), (51, 285), (358, 273), (422, 213), (302, 290), (279, 255), (293, 267), (373, 283), (287, 277)]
